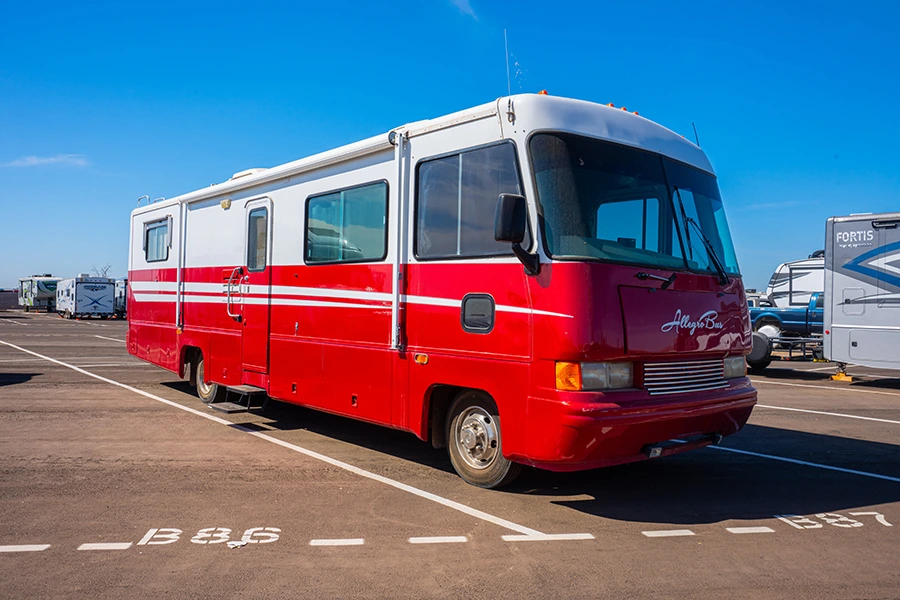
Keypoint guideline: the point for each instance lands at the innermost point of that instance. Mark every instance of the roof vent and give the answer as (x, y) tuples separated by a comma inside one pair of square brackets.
[(246, 173)]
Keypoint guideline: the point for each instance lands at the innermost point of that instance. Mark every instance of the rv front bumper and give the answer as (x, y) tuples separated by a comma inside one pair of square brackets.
[(572, 431)]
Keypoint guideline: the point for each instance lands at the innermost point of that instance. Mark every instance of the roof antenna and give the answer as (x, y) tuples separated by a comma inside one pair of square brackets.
[(506, 46), (510, 113), (696, 137)]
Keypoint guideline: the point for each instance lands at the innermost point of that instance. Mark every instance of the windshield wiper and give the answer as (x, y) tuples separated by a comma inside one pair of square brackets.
[(667, 281), (710, 250), (684, 218)]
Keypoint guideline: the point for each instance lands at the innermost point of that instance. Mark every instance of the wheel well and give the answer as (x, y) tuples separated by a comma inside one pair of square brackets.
[(767, 321), (440, 398), (189, 357)]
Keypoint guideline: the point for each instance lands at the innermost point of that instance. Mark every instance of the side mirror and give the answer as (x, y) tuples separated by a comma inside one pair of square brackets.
[(510, 221)]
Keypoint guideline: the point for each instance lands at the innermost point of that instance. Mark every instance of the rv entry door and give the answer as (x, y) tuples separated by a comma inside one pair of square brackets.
[(256, 287)]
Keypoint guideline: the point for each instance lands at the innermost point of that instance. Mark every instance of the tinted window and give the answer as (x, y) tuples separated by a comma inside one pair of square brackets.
[(348, 225), (457, 199), (632, 223), (257, 238), (156, 241)]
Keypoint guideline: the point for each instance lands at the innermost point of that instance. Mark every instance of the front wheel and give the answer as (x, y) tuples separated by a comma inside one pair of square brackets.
[(208, 392), (474, 443)]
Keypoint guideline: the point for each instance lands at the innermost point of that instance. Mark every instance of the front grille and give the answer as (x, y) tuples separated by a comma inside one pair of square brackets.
[(684, 377)]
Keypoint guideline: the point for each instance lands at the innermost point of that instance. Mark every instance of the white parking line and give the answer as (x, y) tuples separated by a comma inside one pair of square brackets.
[(106, 546), (544, 537), (807, 464), (110, 339), (526, 532), (668, 533), (445, 539), (344, 542), (25, 548), (830, 414), (116, 365), (749, 530), (822, 387)]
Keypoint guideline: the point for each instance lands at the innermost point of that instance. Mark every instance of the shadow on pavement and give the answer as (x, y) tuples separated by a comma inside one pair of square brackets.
[(283, 416), (711, 485), (702, 486), (14, 378)]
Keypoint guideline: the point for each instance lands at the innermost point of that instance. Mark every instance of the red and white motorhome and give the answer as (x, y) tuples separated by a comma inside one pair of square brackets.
[(535, 281)]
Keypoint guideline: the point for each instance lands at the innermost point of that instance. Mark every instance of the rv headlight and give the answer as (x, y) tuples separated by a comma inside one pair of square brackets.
[(593, 376), (735, 366)]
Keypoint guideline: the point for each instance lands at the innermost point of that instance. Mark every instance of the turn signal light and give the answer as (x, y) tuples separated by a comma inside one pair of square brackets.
[(568, 376)]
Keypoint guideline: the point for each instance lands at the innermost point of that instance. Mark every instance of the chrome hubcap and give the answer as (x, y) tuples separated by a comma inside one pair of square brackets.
[(477, 437), (201, 384)]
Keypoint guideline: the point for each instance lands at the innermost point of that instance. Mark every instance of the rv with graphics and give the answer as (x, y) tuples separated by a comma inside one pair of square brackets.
[(862, 288), (38, 292), (793, 283), (86, 296), (534, 281)]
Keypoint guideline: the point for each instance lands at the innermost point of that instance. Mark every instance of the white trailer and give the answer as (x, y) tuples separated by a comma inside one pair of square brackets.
[(862, 290), (793, 283), (38, 292), (121, 304), (86, 296)]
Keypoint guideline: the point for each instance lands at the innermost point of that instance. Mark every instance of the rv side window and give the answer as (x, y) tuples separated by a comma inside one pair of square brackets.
[(257, 237), (156, 241), (348, 225), (456, 200)]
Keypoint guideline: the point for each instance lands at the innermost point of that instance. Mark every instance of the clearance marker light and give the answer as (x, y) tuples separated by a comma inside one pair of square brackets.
[(421, 359), (543, 93)]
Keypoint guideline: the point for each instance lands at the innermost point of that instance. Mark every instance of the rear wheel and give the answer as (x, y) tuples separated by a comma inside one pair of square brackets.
[(208, 392), (474, 443)]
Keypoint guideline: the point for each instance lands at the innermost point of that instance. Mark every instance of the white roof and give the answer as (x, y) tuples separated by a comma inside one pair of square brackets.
[(534, 112)]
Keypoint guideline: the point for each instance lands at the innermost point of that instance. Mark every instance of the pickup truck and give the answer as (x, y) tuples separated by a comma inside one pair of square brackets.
[(774, 322)]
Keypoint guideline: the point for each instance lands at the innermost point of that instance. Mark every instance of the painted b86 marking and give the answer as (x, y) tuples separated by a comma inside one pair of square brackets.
[(835, 519), (210, 535)]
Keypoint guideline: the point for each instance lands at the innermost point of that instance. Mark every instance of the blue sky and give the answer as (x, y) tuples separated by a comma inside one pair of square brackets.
[(796, 103)]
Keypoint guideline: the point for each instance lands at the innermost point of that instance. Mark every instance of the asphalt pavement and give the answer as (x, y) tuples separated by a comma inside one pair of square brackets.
[(117, 482)]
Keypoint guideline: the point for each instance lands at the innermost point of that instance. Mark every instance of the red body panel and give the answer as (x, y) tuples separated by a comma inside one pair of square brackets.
[(329, 347)]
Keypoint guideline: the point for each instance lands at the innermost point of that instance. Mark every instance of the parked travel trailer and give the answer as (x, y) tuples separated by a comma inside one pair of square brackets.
[(86, 296), (793, 283), (38, 292), (121, 307), (862, 290), (407, 280)]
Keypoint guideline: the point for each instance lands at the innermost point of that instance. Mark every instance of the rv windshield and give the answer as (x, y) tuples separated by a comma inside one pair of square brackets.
[(609, 202)]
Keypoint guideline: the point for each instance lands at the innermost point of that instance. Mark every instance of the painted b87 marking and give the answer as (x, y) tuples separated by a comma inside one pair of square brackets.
[(835, 519)]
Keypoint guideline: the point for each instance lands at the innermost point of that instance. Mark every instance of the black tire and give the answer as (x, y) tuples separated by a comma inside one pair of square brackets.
[(758, 368), (208, 392), (474, 442)]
